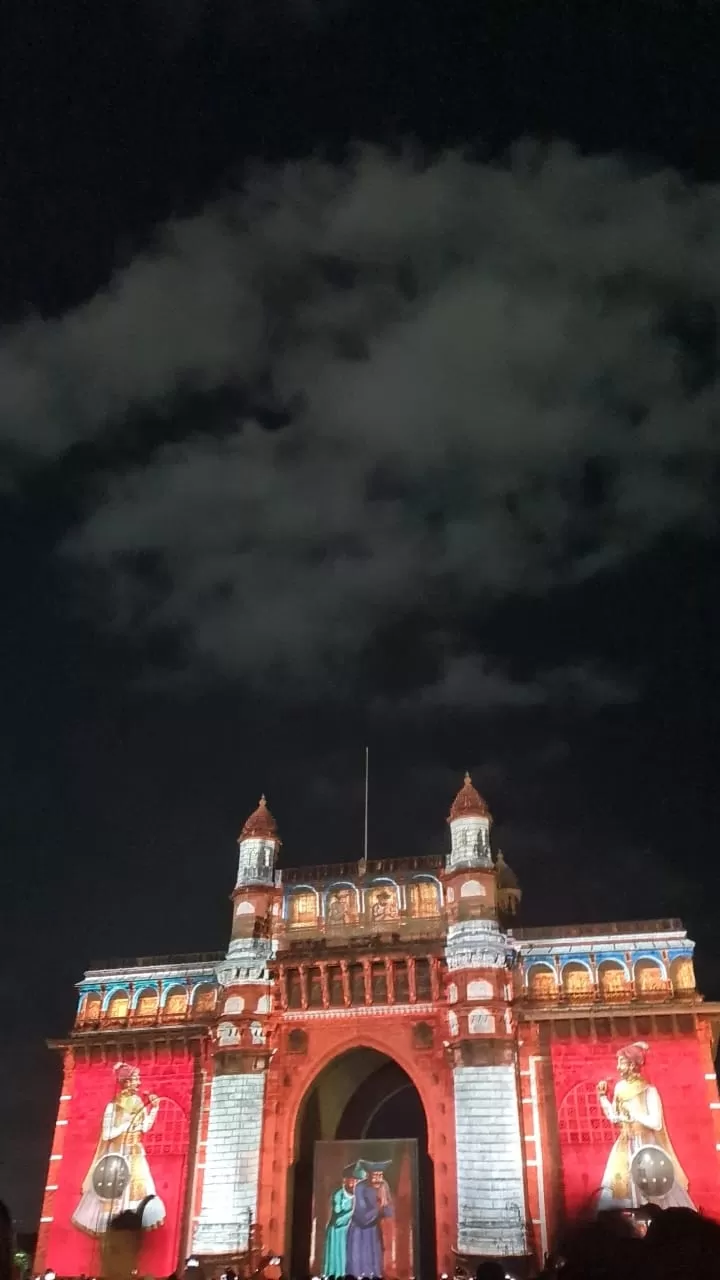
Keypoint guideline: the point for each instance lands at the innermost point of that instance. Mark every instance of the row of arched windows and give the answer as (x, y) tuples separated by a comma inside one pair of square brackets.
[(347, 903), (146, 1004), (612, 980)]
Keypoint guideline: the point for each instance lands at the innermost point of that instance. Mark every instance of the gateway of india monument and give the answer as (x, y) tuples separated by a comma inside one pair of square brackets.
[(382, 1070)]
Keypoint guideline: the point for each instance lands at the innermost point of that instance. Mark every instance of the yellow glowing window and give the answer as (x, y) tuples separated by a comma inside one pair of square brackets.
[(302, 908), (118, 1007), (176, 1004), (612, 980), (683, 975), (147, 1005), (424, 900), (92, 1009), (577, 981), (649, 978), (204, 1001), (542, 984)]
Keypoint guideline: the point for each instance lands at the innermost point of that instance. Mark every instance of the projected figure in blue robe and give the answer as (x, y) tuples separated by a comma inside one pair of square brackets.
[(373, 1202), (342, 1203)]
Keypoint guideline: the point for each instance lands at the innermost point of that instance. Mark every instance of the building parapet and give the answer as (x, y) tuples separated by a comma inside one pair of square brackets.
[(330, 871), (624, 928)]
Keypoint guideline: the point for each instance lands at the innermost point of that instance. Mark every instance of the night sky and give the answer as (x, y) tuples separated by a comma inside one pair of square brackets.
[(358, 384)]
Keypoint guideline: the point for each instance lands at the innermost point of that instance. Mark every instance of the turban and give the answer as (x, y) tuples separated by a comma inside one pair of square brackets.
[(636, 1053)]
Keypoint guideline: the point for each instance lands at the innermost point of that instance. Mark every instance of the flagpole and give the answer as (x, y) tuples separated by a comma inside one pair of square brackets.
[(365, 836)]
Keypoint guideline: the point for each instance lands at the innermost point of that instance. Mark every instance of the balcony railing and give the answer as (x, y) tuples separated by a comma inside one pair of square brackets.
[(628, 995), (141, 1022), (404, 928), (190, 958)]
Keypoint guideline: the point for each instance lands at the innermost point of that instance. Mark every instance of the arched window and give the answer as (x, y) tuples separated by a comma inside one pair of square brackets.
[(473, 889), (682, 974), (581, 1121), (382, 903), (424, 898), (481, 1022), (169, 1134), (612, 980), (204, 1000), (176, 1003), (91, 1008), (119, 1005), (541, 982), (577, 981), (302, 907), (340, 906), (649, 977), (147, 1004), (479, 989)]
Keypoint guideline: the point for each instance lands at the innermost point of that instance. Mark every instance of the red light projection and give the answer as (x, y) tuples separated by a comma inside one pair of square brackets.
[(634, 1125), (127, 1139)]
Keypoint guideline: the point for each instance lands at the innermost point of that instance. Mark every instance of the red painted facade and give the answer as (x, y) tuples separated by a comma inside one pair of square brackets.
[(420, 961)]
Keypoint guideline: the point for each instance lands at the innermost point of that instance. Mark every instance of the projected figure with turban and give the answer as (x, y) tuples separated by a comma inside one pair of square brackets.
[(342, 1204), (373, 1204), (642, 1167), (119, 1177)]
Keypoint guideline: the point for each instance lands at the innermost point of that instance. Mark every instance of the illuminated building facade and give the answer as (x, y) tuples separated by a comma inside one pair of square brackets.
[(206, 1081)]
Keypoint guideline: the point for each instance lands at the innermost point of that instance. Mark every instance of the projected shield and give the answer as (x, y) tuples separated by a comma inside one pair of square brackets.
[(111, 1176), (652, 1172)]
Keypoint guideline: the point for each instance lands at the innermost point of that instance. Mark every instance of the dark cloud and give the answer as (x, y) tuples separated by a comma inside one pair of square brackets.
[(496, 379), (176, 22)]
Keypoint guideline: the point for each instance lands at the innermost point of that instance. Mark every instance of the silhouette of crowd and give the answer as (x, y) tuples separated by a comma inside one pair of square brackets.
[(670, 1244)]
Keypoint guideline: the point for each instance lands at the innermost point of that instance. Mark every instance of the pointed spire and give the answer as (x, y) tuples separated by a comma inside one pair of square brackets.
[(468, 803), (260, 824)]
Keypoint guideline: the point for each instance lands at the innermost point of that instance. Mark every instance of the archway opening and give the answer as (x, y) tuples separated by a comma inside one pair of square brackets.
[(362, 1095)]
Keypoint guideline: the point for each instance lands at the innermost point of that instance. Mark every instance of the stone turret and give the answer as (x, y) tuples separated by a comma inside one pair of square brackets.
[(469, 820)]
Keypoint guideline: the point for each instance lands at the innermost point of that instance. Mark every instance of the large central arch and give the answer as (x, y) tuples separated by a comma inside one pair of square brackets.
[(360, 1094)]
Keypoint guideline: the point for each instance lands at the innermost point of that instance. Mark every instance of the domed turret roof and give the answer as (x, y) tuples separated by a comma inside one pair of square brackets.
[(506, 878), (260, 825), (468, 803)]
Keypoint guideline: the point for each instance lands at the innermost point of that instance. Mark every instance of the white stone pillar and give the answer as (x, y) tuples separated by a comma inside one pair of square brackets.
[(232, 1163), (490, 1182)]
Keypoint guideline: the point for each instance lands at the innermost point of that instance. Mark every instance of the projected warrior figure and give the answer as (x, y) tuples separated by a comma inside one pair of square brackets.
[(119, 1177), (342, 1203), (373, 1204), (642, 1166)]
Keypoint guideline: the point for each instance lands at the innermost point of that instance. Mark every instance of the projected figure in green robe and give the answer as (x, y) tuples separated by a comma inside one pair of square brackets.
[(342, 1203)]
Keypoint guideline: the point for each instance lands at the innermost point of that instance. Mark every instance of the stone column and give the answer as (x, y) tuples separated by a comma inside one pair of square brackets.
[(492, 1211), (283, 988), (490, 1182), (390, 980), (345, 983), (412, 989), (367, 979), (324, 986), (435, 979), (232, 1161), (303, 986)]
